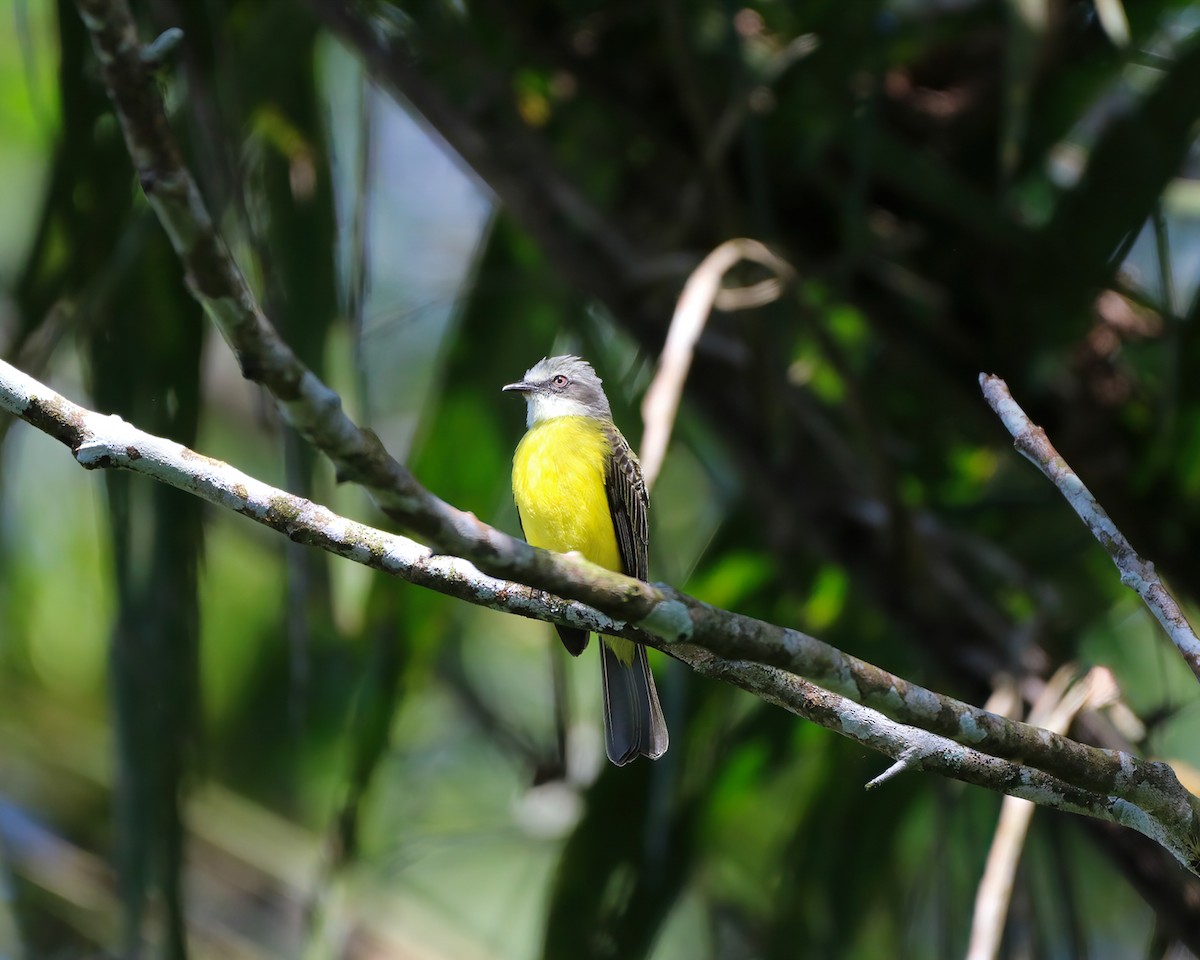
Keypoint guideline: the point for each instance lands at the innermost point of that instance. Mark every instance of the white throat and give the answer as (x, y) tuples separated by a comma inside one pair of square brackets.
[(547, 406)]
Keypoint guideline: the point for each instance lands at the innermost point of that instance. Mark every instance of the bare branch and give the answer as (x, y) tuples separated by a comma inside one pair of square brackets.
[(1041, 766), (656, 614), (921, 750), (701, 292), (1137, 574)]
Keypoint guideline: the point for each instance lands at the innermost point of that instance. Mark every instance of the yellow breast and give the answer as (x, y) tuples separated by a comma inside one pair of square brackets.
[(558, 483)]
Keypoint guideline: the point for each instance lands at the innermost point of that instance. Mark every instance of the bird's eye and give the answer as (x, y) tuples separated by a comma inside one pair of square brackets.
[(559, 381)]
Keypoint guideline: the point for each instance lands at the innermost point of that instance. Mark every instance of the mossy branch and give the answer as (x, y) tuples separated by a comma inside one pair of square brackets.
[(919, 728)]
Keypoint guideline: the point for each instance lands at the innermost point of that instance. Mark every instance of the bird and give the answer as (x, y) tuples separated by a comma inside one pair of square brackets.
[(578, 486)]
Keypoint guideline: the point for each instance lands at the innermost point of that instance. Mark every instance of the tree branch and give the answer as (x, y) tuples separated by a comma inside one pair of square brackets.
[(997, 753), (1137, 574), (919, 749)]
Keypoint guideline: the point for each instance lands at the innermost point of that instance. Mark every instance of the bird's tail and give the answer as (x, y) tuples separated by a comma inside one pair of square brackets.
[(633, 719)]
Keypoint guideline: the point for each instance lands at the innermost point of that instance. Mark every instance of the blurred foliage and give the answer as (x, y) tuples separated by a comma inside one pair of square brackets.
[(218, 744)]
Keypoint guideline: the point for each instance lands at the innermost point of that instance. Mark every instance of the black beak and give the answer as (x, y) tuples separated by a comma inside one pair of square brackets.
[(521, 386)]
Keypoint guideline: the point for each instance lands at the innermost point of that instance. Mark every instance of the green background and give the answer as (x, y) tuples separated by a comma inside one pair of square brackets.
[(218, 743)]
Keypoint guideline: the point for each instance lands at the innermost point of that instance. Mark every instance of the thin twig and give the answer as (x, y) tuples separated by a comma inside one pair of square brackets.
[(1137, 574), (701, 292), (903, 762)]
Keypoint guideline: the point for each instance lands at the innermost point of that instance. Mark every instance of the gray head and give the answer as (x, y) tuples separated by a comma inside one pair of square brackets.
[(562, 387)]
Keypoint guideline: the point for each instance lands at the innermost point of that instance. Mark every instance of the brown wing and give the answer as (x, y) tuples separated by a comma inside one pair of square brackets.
[(627, 502), (633, 719)]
